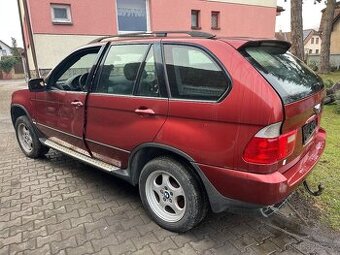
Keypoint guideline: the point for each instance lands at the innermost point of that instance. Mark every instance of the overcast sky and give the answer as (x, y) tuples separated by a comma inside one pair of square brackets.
[(311, 14), (10, 24)]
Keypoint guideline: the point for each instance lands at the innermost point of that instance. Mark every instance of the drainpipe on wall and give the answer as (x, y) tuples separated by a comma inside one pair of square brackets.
[(30, 35), (27, 67)]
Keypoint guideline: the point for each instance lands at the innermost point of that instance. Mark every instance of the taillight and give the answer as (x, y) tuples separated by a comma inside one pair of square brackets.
[(268, 146)]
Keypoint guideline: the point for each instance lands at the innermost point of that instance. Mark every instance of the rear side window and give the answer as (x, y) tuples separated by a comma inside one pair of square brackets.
[(289, 76), (193, 74)]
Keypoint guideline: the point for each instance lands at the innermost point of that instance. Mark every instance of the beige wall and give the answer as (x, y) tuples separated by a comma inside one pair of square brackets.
[(27, 43), (335, 39), (30, 58), (51, 49), (313, 46)]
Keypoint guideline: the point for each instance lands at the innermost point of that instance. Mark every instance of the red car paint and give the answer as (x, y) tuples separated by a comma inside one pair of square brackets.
[(212, 134)]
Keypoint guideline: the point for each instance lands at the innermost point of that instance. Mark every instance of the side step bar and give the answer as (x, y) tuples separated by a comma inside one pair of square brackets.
[(91, 161)]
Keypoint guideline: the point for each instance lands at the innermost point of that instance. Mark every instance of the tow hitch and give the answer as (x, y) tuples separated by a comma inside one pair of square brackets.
[(314, 193)]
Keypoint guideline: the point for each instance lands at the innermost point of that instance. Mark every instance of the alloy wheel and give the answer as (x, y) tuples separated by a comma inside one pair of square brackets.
[(165, 196)]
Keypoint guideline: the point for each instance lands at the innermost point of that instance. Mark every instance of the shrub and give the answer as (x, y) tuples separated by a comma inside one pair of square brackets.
[(312, 65), (7, 64), (334, 68), (337, 102), (337, 108), (328, 83)]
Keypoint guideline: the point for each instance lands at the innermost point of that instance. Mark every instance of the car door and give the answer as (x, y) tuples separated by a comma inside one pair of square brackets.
[(46, 108), (129, 103), (68, 85)]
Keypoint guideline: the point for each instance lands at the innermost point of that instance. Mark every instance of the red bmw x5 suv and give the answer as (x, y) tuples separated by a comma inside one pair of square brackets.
[(195, 121)]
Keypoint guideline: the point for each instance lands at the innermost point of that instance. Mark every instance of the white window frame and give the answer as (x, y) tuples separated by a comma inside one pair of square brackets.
[(3, 52), (68, 13)]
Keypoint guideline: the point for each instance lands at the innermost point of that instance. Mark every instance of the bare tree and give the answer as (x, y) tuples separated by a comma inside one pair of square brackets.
[(296, 29), (326, 30), (14, 49)]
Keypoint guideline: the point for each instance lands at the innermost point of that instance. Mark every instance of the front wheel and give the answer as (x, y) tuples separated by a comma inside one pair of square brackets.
[(172, 195), (28, 139)]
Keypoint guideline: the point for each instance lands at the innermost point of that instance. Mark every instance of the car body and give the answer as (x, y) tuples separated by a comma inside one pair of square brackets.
[(241, 118)]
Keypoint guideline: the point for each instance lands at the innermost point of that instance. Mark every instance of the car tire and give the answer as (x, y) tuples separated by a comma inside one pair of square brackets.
[(172, 194), (28, 139)]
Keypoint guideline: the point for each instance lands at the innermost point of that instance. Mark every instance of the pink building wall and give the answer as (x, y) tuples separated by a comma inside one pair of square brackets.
[(89, 17), (99, 17), (94, 18), (235, 19)]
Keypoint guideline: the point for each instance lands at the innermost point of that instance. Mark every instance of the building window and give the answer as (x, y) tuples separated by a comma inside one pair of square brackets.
[(195, 19), (132, 15), (317, 40), (317, 51), (312, 40), (310, 51), (215, 20), (3, 52), (61, 13)]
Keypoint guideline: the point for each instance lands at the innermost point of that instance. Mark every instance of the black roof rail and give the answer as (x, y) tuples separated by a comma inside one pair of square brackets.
[(196, 34)]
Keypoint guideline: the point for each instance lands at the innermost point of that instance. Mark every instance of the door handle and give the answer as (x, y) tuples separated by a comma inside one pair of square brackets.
[(77, 104), (145, 111)]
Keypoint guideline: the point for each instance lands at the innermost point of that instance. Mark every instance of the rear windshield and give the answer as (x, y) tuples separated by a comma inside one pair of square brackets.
[(289, 76)]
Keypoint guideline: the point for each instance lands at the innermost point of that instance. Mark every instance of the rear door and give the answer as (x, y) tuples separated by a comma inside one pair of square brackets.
[(128, 105), (300, 89)]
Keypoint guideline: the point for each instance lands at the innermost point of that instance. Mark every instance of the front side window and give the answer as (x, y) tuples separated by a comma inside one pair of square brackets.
[(120, 69), (61, 13), (73, 73), (193, 74), (148, 85)]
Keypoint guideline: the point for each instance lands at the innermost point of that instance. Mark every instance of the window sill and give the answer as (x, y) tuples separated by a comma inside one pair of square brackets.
[(216, 28), (196, 28), (68, 23)]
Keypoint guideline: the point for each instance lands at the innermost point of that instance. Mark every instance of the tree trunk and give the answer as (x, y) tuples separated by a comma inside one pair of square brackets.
[(296, 29), (326, 36)]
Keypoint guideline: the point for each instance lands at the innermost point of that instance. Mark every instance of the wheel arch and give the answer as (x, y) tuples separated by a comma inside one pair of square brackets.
[(18, 110), (146, 152)]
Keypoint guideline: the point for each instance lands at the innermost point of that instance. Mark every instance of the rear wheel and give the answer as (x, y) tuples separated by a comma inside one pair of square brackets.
[(172, 195), (28, 139)]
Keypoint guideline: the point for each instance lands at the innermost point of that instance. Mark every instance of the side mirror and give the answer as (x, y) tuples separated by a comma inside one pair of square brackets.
[(37, 85)]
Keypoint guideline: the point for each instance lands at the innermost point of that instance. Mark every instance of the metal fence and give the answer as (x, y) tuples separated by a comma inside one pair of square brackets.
[(314, 60)]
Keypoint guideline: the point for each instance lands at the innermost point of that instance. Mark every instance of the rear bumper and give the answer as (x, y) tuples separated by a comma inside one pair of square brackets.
[(242, 189)]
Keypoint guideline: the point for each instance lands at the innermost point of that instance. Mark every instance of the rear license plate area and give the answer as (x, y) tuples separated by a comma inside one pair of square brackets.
[(308, 130)]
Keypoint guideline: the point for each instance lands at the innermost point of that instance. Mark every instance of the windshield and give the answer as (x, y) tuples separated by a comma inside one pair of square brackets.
[(289, 76)]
